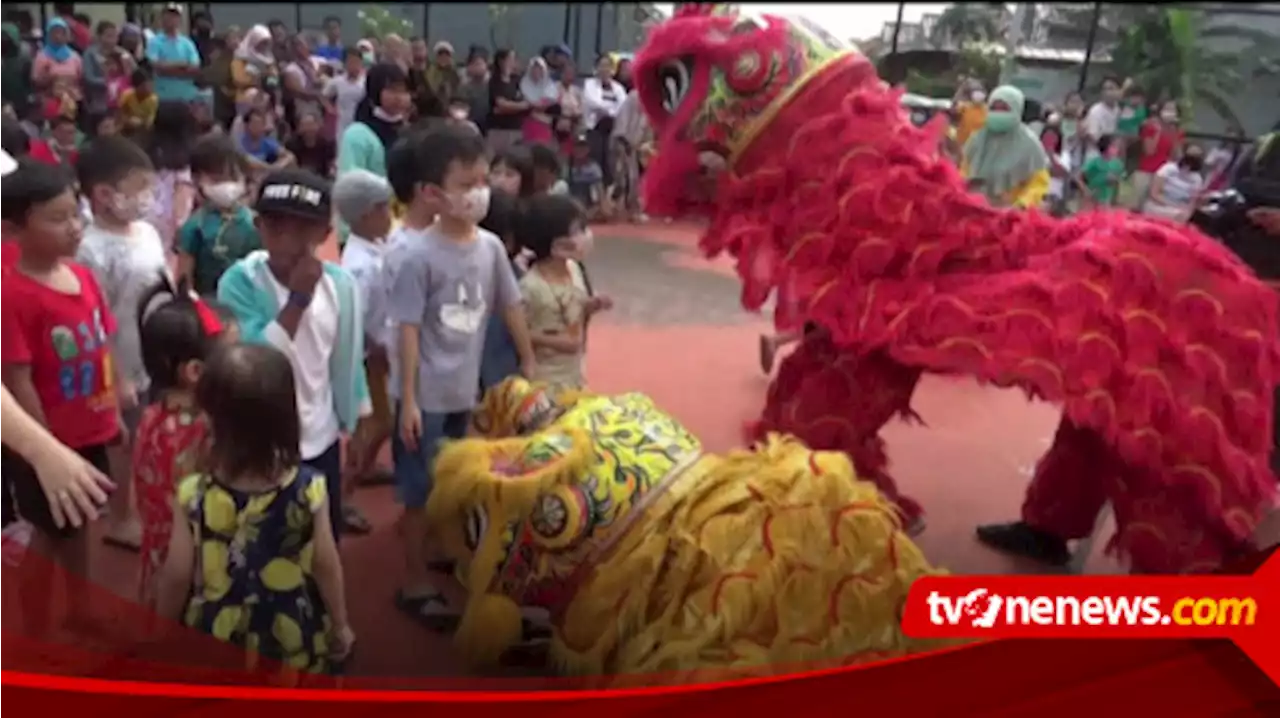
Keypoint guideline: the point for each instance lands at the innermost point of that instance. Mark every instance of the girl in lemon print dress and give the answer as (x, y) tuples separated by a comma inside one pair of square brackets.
[(251, 558)]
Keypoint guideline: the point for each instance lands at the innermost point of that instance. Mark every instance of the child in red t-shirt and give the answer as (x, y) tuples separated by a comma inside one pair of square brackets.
[(55, 332), (179, 331)]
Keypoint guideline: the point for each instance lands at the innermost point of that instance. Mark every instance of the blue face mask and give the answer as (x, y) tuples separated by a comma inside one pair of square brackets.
[(368, 58), (1001, 120)]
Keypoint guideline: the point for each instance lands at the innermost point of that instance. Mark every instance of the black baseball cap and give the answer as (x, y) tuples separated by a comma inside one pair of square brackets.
[(296, 192)]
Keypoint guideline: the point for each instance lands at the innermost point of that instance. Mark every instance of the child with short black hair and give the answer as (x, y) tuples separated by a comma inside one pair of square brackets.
[(1100, 178), (139, 103), (445, 281), (222, 231), (547, 171), (557, 294), (363, 202), (288, 297), (64, 140), (512, 172), (125, 254), (179, 332), (259, 503), (55, 338)]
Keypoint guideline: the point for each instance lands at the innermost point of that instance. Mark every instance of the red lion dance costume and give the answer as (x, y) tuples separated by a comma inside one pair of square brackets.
[(1160, 346)]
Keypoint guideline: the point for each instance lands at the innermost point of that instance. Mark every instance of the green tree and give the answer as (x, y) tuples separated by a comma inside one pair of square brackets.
[(503, 18), (377, 22), (964, 23), (1171, 54)]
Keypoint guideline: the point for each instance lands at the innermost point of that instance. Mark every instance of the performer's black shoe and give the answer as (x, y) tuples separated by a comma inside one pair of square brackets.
[(1024, 540)]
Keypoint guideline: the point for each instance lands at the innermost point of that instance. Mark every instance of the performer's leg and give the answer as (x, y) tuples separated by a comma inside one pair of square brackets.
[(838, 402), (1067, 493)]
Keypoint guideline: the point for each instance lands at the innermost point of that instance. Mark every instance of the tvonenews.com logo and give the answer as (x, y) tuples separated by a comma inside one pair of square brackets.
[(983, 609)]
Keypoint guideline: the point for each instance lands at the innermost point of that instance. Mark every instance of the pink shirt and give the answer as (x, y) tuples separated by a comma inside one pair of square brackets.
[(45, 68)]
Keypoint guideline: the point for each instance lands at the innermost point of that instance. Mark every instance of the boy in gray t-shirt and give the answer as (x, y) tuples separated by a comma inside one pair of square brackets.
[(448, 289), (443, 281)]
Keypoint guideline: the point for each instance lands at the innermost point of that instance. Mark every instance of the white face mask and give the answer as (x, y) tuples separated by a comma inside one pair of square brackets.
[(1168, 116), (223, 194), (385, 116), (472, 205), (979, 96)]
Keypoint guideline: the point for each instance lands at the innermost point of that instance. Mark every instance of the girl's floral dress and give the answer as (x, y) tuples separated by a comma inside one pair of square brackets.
[(253, 580), (167, 446)]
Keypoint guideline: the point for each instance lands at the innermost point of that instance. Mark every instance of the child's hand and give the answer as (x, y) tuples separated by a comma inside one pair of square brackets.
[(599, 303), (341, 643)]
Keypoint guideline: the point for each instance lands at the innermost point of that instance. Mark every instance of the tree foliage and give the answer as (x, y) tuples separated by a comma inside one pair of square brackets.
[(971, 22), (1170, 53), (378, 22)]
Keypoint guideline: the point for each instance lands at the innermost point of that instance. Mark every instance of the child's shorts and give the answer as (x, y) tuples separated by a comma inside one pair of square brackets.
[(25, 497), (413, 467)]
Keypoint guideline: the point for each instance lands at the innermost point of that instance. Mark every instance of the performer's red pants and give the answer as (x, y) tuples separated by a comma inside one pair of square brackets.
[(1160, 528)]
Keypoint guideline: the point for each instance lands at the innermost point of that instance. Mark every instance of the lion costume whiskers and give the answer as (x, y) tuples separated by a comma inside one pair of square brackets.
[(654, 556)]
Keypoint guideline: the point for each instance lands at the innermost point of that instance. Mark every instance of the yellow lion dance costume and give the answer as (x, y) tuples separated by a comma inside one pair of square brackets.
[(654, 556)]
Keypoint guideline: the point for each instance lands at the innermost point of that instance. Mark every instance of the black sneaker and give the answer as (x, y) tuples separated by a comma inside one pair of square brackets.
[(1021, 539)]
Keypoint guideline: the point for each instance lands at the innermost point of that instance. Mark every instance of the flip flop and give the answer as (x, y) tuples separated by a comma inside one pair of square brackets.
[(426, 609), (355, 522)]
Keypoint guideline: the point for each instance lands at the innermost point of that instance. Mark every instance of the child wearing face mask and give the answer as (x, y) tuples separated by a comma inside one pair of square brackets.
[(557, 297), (444, 282), (1099, 179), (125, 254), (222, 231)]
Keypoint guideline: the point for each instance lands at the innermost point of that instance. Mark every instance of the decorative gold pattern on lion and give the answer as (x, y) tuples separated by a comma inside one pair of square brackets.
[(655, 557)]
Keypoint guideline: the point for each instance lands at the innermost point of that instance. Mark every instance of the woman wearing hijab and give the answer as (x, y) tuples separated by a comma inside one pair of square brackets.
[(254, 66), (16, 71), (542, 93), (1004, 160), (379, 118), (57, 61)]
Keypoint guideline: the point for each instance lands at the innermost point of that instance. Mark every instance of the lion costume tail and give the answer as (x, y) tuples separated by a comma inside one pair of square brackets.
[(759, 560)]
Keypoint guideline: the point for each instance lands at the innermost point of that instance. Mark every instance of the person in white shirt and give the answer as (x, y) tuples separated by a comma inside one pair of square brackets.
[(344, 92), (1102, 117), (126, 256), (1177, 187), (363, 202), (602, 97), (310, 310)]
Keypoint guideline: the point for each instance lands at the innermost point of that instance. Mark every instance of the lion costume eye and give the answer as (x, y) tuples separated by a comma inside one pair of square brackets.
[(477, 525), (673, 78)]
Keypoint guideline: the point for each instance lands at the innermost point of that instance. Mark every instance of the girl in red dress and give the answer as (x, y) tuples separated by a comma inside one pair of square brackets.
[(178, 331)]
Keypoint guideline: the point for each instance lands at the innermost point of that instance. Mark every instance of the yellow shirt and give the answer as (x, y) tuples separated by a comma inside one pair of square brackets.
[(969, 119), (142, 111)]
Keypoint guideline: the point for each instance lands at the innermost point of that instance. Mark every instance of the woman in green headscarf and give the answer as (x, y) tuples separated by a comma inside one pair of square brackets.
[(1005, 160), (15, 71)]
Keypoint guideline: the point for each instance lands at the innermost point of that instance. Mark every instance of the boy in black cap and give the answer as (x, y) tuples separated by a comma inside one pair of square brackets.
[(307, 308)]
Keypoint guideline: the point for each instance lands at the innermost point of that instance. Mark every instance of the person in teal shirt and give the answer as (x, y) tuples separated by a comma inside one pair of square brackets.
[(379, 119), (174, 59), (1102, 173), (222, 231)]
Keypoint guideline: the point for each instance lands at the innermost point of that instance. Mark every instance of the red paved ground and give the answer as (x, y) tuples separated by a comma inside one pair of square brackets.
[(679, 335)]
